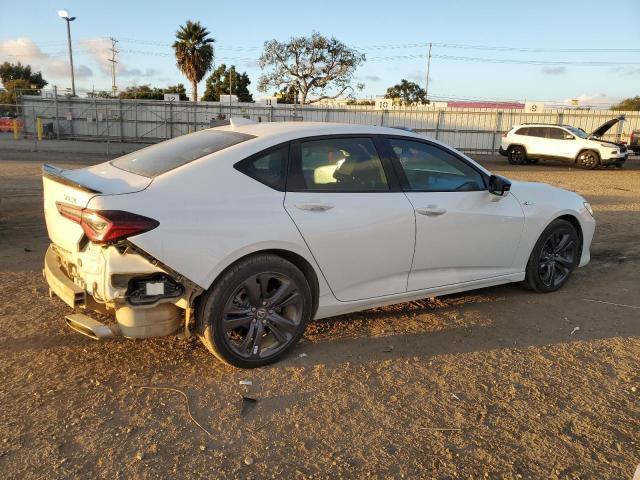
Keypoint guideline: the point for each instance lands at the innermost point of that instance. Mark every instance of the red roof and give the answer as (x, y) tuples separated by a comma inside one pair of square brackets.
[(501, 105)]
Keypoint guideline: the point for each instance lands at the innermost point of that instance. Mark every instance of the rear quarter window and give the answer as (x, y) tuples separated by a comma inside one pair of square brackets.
[(523, 131), (158, 159)]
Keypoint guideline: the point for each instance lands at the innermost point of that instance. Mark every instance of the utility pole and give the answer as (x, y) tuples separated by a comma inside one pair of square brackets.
[(426, 89), (113, 61)]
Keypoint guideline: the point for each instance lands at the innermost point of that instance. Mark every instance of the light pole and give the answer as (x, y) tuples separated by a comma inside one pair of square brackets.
[(63, 14)]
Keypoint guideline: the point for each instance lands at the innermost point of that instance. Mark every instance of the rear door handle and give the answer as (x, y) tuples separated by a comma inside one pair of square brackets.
[(314, 206), (431, 210)]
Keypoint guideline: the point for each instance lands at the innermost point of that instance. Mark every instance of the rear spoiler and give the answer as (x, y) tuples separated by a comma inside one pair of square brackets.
[(57, 174)]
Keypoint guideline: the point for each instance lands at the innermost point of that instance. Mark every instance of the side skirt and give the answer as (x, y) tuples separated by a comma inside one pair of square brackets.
[(329, 307)]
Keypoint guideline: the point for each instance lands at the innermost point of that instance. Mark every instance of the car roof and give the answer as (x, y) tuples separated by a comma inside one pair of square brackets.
[(284, 131), (542, 125)]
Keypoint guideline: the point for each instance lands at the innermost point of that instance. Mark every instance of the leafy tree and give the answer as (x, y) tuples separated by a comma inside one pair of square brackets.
[(226, 81), (632, 103), (10, 94), (313, 65), (100, 94), (179, 89), (16, 78), (146, 92), (407, 92), (194, 53), (16, 71), (287, 94)]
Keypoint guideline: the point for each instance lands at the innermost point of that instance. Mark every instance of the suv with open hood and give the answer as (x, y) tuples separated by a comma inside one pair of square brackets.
[(530, 142)]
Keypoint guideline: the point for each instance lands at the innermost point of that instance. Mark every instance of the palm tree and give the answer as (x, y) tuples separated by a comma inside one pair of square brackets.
[(194, 53)]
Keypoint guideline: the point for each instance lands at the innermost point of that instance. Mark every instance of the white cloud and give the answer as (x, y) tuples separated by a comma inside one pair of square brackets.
[(99, 49), (594, 100), (26, 51)]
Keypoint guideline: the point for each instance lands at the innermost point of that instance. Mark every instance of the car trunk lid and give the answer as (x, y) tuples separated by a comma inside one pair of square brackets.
[(76, 187)]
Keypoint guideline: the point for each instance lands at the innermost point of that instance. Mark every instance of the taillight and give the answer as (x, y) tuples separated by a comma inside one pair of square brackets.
[(106, 226), (504, 135)]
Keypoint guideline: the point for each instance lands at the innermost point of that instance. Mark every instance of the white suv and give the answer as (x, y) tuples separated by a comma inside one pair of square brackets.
[(533, 141)]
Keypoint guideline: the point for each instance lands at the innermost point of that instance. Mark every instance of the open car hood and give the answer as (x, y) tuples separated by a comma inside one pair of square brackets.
[(604, 128)]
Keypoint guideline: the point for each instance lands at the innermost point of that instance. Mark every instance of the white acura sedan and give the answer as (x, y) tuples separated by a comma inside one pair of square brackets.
[(244, 233)]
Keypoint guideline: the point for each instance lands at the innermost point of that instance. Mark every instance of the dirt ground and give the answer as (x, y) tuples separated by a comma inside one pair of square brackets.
[(528, 385)]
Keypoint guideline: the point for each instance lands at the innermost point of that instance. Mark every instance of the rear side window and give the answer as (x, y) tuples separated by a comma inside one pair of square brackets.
[(523, 131), (538, 131), (158, 159), (267, 167)]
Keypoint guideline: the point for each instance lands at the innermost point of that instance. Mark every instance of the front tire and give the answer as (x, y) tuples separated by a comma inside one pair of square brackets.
[(517, 155), (554, 257), (588, 159), (255, 312)]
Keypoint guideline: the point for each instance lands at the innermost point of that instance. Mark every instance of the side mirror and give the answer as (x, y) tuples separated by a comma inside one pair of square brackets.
[(568, 136), (499, 185)]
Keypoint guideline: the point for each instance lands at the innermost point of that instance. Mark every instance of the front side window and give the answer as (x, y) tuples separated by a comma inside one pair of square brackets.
[(557, 134), (429, 168), (162, 157), (267, 168), (578, 132), (340, 165)]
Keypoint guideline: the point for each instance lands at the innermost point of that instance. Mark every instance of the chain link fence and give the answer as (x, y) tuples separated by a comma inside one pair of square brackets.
[(149, 121)]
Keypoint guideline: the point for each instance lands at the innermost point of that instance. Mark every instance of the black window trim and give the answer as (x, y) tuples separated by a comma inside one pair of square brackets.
[(238, 165), (404, 181), (295, 182)]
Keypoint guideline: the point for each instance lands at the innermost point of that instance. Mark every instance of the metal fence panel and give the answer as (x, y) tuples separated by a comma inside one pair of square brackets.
[(470, 130)]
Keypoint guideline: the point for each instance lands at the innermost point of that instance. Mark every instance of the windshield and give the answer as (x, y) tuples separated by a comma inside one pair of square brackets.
[(158, 159), (578, 132)]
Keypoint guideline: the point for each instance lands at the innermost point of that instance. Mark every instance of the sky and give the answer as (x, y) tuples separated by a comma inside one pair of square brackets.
[(481, 36)]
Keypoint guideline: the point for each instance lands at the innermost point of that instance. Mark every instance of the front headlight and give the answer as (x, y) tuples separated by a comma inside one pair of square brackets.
[(587, 205), (607, 145)]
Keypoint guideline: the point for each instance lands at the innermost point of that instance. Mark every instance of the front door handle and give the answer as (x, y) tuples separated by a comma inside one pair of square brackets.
[(314, 206), (431, 210)]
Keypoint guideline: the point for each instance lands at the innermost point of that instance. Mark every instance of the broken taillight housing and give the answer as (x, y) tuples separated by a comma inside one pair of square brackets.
[(107, 226)]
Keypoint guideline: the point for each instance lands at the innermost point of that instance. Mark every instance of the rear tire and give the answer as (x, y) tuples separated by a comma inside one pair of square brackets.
[(255, 312), (589, 159), (517, 155), (554, 257)]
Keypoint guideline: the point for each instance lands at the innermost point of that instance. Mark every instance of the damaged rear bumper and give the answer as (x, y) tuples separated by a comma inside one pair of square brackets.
[(61, 285), (151, 303)]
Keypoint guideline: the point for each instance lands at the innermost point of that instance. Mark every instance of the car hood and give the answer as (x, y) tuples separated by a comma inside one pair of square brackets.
[(542, 192), (604, 128)]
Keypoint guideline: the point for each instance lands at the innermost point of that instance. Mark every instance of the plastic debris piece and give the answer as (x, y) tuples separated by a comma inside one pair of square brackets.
[(575, 329), (248, 404), (246, 382)]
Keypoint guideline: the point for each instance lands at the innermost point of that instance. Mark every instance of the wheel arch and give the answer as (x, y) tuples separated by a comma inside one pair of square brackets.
[(303, 264), (587, 149), (517, 145)]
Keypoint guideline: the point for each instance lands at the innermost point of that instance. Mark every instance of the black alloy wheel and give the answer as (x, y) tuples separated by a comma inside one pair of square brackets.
[(255, 312), (517, 155), (588, 160), (554, 257)]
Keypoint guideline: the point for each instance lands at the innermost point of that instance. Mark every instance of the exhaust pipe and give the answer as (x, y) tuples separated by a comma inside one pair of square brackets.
[(91, 328)]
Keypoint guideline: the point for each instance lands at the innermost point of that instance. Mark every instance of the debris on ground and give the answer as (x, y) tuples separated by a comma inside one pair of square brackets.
[(575, 329), (248, 404)]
